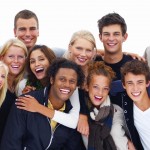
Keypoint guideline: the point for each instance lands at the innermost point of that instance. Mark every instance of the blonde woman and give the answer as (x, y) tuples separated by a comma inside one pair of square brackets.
[(3, 81), (13, 54)]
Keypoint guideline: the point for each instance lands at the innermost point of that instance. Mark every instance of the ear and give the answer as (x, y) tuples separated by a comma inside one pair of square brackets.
[(51, 81), (1, 58), (86, 88), (123, 86), (15, 32), (125, 37), (148, 84), (100, 37)]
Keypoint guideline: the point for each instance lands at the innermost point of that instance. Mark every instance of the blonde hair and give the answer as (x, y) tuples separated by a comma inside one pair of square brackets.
[(4, 88), (4, 49), (84, 34)]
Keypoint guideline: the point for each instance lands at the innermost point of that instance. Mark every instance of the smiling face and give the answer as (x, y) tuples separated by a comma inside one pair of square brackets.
[(112, 38), (82, 51), (14, 58), (39, 64), (98, 89), (2, 76), (135, 86), (27, 31), (63, 86)]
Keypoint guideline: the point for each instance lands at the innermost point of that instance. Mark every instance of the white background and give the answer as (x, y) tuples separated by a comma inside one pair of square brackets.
[(59, 19)]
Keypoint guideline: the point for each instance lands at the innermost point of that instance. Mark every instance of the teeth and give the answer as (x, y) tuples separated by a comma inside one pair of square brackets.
[(15, 66), (98, 97), (82, 59), (64, 91), (136, 93), (111, 44), (27, 40), (39, 69)]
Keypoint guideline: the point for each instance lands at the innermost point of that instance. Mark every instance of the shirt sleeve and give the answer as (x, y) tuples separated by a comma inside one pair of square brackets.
[(69, 119)]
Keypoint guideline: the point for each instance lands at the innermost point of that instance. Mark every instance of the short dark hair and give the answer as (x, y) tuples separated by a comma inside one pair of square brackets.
[(25, 14), (137, 68), (64, 63), (110, 19)]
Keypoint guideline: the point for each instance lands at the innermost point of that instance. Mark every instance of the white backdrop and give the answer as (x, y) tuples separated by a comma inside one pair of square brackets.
[(60, 18)]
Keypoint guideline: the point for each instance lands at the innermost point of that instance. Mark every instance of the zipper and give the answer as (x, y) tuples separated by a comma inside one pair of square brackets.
[(52, 134)]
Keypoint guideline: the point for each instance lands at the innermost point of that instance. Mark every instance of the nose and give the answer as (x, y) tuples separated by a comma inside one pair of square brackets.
[(111, 37), (83, 53), (15, 59), (66, 83), (37, 63), (28, 33), (135, 87)]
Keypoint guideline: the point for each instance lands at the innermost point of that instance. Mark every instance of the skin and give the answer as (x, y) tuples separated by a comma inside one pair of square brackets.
[(15, 60), (2, 76), (62, 87), (112, 40), (135, 86), (39, 64), (82, 51), (99, 89), (27, 31)]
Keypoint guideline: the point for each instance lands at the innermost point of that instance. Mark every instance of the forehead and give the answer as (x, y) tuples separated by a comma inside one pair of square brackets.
[(100, 80), (112, 28), (26, 22), (15, 50), (36, 52), (2, 70), (134, 78), (84, 43), (67, 72)]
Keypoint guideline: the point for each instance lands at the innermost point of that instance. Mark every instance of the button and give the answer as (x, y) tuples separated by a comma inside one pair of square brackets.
[(125, 103), (125, 111)]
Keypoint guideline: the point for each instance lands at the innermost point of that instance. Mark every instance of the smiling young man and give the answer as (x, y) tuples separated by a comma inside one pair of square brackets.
[(112, 33), (135, 101), (136, 79), (37, 132)]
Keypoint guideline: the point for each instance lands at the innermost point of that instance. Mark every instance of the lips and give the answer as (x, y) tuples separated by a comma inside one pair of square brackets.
[(136, 93), (65, 91), (38, 70), (98, 98)]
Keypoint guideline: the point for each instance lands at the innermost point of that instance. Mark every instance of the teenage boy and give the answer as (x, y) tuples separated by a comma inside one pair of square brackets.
[(112, 33), (136, 79), (135, 102), (28, 130)]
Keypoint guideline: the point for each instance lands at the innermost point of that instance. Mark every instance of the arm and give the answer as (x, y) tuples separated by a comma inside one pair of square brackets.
[(117, 131), (70, 119)]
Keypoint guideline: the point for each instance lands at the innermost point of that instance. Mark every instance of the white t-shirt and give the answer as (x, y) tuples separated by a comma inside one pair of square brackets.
[(142, 124)]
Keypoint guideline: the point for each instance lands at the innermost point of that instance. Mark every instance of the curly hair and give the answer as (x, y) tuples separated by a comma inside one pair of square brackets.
[(99, 68), (64, 63)]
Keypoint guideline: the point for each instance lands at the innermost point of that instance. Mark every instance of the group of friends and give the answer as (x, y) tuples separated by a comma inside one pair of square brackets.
[(76, 99)]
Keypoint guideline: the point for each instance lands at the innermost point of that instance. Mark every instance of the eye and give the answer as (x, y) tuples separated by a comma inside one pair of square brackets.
[(32, 61), (3, 76)]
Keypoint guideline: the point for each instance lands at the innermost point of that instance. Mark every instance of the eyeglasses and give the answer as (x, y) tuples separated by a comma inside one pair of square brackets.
[(19, 57)]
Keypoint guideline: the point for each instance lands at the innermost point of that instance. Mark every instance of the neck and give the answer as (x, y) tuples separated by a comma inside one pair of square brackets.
[(144, 104), (113, 58), (10, 80), (56, 102)]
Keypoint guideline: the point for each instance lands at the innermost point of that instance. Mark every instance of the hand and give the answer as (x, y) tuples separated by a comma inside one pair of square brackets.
[(136, 56), (27, 103), (28, 89), (83, 126), (130, 145)]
